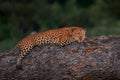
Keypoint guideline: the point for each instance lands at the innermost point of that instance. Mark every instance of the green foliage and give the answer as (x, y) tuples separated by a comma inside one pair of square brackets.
[(4, 32), (7, 44), (99, 17), (107, 27)]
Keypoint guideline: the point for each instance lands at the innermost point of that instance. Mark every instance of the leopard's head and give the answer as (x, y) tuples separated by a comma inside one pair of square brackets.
[(78, 33)]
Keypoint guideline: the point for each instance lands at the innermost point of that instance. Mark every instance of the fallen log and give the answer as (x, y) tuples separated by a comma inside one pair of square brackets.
[(96, 58)]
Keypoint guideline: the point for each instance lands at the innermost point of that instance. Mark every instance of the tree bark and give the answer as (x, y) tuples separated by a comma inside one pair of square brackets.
[(96, 58)]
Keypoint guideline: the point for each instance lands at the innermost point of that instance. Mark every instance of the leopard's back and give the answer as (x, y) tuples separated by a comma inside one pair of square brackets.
[(57, 36)]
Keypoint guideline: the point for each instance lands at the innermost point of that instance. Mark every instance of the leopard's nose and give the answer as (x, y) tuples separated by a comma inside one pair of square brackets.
[(79, 40)]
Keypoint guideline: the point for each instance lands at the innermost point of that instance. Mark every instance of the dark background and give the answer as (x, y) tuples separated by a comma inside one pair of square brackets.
[(19, 18)]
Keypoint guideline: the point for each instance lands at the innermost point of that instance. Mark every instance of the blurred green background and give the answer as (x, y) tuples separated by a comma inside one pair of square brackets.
[(19, 18)]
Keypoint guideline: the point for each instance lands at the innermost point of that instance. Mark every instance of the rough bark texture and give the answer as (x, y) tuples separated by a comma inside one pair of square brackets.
[(95, 58)]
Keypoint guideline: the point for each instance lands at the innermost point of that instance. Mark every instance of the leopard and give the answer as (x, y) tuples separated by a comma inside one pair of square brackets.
[(59, 36)]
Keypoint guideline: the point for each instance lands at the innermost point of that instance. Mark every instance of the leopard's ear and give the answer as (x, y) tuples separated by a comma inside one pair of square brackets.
[(77, 28), (73, 29), (84, 29)]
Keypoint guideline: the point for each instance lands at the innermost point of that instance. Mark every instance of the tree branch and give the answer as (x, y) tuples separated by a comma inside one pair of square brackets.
[(94, 58)]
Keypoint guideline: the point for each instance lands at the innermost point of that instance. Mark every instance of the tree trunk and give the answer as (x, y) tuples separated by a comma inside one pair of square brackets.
[(95, 58)]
